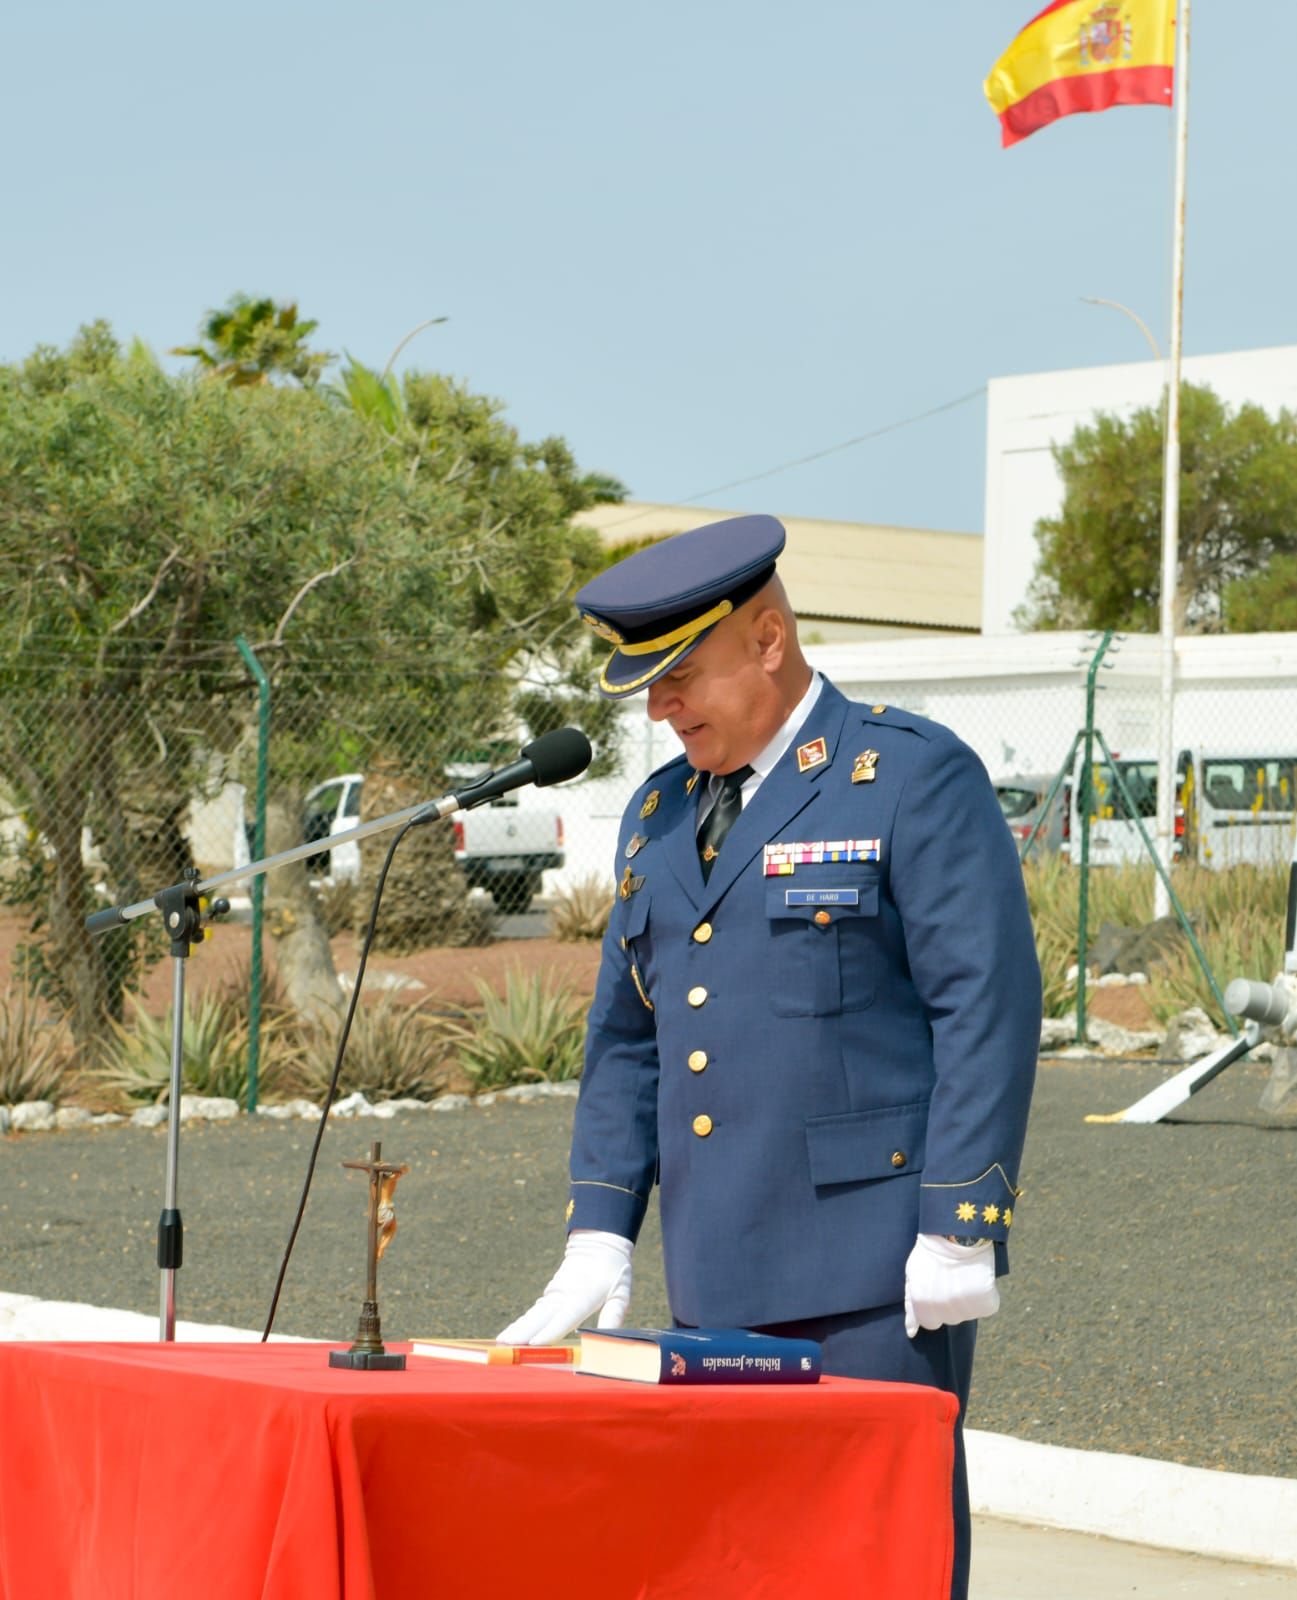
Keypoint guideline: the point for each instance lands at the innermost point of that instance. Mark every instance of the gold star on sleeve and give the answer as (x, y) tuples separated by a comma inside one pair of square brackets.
[(966, 1211), (1008, 1216), (990, 1213)]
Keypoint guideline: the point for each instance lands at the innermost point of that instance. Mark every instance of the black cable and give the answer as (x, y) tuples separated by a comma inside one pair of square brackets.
[(337, 1068)]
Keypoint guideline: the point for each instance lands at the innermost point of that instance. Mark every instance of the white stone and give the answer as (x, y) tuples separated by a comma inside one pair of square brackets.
[(1055, 1032), (352, 1105), (149, 1117), (539, 1091), (1191, 1035), (408, 1103), (1115, 1040), (32, 1116), (450, 1102), (306, 1109), (393, 981), (487, 1099), (1118, 980), (72, 1117), (384, 1109), (105, 1119), (207, 1108), (4, 1119)]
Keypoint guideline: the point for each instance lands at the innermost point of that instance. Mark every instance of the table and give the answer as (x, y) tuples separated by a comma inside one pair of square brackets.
[(134, 1471)]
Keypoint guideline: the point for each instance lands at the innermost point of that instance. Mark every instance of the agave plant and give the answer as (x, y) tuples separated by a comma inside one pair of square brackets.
[(533, 1032), (34, 1052), (581, 913), (214, 1053), (394, 1050)]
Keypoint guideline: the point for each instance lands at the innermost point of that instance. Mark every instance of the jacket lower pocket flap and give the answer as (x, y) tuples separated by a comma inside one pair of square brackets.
[(858, 1145)]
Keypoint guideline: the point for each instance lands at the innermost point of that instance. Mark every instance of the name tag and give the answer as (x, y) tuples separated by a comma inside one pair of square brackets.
[(821, 897)]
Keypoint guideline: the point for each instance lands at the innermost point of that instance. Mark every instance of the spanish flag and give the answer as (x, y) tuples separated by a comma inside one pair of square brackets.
[(1083, 55)]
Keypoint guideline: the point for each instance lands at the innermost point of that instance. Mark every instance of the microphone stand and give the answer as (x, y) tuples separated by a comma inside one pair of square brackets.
[(186, 907)]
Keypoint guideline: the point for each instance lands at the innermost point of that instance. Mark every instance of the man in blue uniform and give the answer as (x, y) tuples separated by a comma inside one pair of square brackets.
[(818, 1010)]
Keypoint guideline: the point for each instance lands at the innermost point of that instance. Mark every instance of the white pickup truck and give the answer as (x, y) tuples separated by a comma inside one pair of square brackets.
[(502, 847)]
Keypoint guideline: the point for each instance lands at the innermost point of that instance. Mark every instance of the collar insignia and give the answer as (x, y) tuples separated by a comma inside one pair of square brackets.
[(693, 782), (865, 768), (811, 755)]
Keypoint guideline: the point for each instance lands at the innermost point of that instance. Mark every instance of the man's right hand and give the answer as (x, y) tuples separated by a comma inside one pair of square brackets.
[(594, 1278)]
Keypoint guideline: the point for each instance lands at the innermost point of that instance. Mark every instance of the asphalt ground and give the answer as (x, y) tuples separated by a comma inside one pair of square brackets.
[(1150, 1309)]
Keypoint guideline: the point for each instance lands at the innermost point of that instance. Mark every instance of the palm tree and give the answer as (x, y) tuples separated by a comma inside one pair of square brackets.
[(253, 341)]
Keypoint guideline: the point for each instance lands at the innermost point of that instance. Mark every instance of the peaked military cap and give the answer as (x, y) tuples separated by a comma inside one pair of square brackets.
[(661, 603)]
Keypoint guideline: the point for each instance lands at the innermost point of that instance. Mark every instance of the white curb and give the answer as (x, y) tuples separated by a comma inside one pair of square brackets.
[(1231, 1515)]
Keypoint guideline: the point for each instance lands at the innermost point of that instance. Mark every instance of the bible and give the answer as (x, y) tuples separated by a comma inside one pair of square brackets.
[(697, 1355)]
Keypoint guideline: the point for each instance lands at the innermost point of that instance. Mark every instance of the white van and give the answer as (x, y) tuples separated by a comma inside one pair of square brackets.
[(1239, 809), (1231, 808)]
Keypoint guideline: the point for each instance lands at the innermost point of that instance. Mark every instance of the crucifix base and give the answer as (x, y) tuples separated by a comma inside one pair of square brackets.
[(368, 1351), (387, 1362)]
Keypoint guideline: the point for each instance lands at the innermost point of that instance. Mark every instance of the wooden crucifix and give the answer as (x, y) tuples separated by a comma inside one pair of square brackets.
[(367, 1349)]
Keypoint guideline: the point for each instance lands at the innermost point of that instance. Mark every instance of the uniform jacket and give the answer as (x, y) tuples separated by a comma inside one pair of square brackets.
[(815, 1064)]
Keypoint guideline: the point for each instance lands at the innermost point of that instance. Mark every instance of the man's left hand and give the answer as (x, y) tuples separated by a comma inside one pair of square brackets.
[(946, 1283)]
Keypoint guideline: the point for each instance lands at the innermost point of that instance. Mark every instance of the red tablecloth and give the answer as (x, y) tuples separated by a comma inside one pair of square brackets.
[(131, 1471)]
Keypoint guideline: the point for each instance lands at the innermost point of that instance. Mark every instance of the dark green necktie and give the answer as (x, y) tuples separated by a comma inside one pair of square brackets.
[(721, 818)]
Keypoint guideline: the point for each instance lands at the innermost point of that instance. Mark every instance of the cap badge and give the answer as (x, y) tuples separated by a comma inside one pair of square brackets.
[(650, 803), (811, 755), (865, 768), (629, 884), (603, 629), (692, 784), (636, 844)]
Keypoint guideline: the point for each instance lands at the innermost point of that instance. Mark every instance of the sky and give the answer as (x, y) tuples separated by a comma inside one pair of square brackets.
[(700, 240)]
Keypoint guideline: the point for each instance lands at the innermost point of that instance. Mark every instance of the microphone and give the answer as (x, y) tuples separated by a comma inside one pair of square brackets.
[(553, 758)]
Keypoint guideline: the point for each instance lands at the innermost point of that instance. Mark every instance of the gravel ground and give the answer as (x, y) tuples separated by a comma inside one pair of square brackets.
[(1150, 1309)]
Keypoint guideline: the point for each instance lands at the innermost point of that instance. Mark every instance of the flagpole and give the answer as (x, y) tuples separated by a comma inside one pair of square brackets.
[(1166, 797)]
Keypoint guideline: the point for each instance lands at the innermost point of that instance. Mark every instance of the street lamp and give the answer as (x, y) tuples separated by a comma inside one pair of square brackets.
[(1095, 300)]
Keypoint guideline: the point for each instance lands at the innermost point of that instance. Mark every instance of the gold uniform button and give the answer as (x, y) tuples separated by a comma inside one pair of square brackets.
[(878, 710), (898, 1158), (702, 933), (697, 996), (702, 1126), (697, 1060), (823, 918)]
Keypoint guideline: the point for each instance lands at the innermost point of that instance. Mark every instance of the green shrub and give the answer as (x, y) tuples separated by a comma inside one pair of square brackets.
[(581, 913), (533, 1032), (136, 1059), (34, 1052), (394, 1051), (1237, 915)]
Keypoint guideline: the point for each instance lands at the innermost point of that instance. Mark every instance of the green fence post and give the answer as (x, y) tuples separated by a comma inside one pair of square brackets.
[(258, 850), (1132, 811)]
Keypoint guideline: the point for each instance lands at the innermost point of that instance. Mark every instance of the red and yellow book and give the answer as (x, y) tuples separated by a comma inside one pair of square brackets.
[(1084, 55), (491, 1353)]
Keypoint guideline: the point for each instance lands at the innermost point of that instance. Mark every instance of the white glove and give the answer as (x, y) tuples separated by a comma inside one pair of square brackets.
[(594, 1276), (947, 1283)]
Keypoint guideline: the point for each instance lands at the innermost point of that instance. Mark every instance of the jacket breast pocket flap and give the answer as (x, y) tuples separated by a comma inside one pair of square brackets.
[(635, 919), (857, 1145), (821, 900)]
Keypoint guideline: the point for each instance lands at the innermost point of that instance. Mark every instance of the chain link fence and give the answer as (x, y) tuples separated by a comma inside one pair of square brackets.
[(107, 794)]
